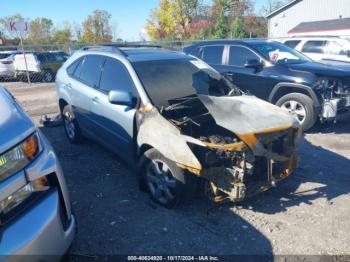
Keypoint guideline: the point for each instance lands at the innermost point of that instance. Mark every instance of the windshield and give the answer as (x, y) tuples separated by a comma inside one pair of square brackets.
[(279, 53), (170, 81)]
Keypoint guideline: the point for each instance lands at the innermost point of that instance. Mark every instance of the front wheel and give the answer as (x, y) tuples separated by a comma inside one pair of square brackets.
[(165, 182), (301, 107)]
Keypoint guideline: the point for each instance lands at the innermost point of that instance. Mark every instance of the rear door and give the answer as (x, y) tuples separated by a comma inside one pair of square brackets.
[(114, 124), (82, 89), (212, 55)]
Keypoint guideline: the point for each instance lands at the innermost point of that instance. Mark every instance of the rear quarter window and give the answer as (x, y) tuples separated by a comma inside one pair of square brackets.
[(292, 43), (314, 46)]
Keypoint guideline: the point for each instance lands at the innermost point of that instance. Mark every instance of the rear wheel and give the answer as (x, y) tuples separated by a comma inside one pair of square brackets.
[(301, 107), (165, 182), (71, 126)]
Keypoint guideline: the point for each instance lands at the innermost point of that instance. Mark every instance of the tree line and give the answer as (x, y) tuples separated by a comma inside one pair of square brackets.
[(95, 28), (171, 20), (191, 19)]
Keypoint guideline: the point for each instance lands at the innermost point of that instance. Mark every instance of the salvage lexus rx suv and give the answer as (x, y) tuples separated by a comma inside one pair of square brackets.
[(35, 212), (280, 75), (182, 122)]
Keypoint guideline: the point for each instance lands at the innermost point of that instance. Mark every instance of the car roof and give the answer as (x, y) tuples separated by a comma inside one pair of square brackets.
[(244, 42), (136, 54), (150, 54)]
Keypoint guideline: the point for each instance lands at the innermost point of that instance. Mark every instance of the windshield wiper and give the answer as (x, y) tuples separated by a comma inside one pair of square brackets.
[(176, 106)]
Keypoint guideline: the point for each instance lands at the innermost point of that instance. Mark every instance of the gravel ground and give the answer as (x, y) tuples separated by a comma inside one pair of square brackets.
[(307, 214)]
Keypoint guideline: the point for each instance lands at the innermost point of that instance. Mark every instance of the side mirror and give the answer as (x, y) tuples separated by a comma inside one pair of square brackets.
[(253, 63), (121, 98)]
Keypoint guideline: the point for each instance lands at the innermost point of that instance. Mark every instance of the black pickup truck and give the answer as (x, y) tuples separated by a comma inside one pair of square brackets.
[(280, 75)]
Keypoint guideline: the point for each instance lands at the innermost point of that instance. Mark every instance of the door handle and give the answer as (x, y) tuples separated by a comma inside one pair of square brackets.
[(230, 74), (69, 86), (95, 100)]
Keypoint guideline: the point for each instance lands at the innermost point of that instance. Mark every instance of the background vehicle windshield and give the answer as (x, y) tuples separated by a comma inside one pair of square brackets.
[(166, 81), (278, 53)]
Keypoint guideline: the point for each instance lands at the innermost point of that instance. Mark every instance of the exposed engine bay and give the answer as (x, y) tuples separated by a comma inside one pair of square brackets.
[(335, 96), (234, 166)]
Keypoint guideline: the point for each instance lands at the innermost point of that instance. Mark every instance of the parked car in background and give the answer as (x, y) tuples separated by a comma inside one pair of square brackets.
[(280, 75), (178, 120), (7, 69), (42, 66), (35, 211), (320, 48)]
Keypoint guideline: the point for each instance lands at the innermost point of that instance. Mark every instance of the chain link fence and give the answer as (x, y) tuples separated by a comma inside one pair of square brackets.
[(39, 63)]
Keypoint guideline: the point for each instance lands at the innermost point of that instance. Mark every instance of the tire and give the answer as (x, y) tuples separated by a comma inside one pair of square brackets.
[(167, 185), (301, 106), (48, 76), (71, 126)]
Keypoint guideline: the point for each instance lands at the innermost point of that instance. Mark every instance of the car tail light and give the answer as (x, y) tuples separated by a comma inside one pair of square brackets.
[(7, 62)]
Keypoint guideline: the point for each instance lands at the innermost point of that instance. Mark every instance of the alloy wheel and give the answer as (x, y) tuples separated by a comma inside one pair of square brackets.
[(160, 182), (296, 109)]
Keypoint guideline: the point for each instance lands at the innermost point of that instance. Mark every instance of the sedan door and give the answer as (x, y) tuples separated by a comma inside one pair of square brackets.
[(114, 124)]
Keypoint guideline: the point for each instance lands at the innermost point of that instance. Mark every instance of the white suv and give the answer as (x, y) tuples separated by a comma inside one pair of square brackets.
[(321, 48)]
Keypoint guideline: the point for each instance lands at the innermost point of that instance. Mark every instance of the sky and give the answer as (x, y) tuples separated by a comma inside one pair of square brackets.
[(129, 16)]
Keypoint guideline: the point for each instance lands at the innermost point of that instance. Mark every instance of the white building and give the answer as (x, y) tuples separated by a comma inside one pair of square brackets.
[(310, 17)]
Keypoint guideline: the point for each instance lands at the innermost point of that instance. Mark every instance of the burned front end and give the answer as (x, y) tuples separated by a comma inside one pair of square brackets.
[(334, 94), (236, 164)]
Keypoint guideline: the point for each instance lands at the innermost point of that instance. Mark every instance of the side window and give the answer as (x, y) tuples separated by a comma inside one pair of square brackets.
[(314, 46), (89, 70), (292, 43), (116, 77), (213, 54), (336, 48), (71, 69), (50, 57), (41, 58), (239, 56), (197, 52), (58, 57)]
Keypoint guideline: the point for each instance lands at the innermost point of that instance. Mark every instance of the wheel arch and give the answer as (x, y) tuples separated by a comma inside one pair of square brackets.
[(282, 89), (62, 103)]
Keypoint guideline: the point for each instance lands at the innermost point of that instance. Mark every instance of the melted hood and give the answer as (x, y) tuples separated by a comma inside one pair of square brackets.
[(245, 114)]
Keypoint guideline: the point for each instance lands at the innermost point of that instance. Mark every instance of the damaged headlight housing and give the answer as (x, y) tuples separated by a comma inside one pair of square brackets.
[(19, 156)]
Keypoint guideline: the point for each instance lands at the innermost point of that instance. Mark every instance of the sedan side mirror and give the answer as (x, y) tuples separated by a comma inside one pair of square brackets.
[(121, 98), (253, 63)]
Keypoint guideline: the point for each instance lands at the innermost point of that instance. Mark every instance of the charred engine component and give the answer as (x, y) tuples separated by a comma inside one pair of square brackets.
[(225, 169), (334, 93)]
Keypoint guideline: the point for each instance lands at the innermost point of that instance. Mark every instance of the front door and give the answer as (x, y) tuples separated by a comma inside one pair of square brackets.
[(114, 124), (256, 81)]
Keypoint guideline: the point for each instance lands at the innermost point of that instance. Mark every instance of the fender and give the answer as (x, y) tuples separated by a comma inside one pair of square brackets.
[(296, 86)]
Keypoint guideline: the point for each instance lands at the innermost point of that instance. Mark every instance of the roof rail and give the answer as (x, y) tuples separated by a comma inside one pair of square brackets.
[(115, 47)]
